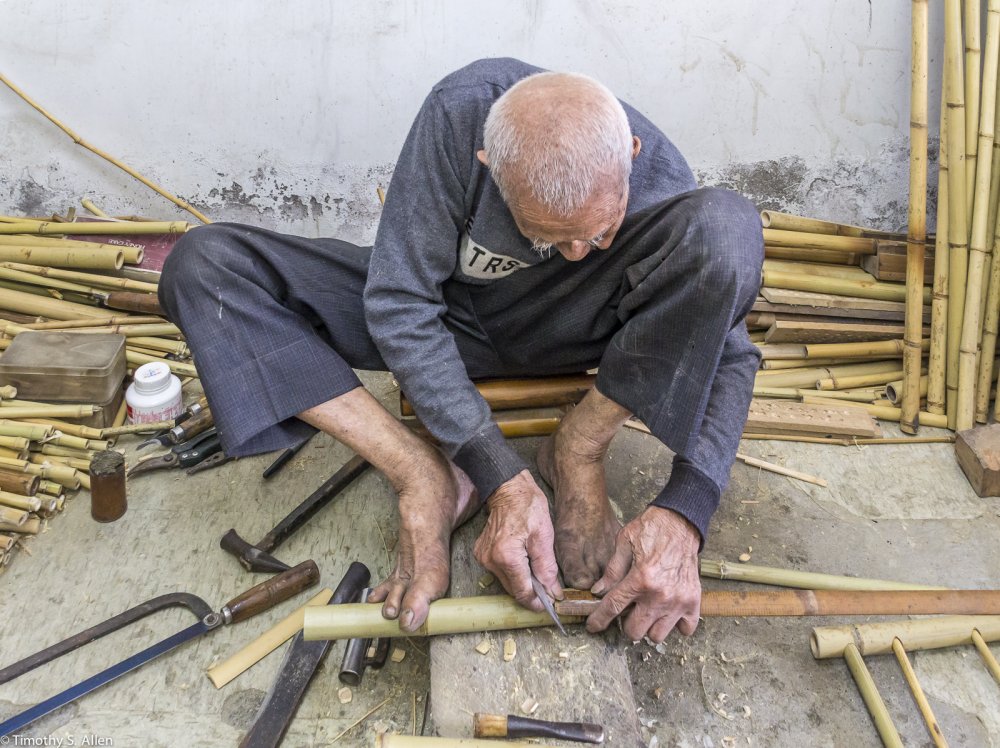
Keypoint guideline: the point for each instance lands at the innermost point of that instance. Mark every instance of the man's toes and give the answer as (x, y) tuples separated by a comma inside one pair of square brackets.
[(391, 591), (416, 604)]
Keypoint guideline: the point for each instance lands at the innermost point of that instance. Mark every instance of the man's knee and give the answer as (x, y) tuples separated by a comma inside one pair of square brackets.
[(196, 258)]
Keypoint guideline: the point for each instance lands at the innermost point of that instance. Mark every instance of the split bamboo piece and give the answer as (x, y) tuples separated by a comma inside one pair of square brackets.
[(71, 257), (101, 228), (971, 323), (958, 222), (241, 661), (984, 651), (779, 238), (26, 303), (865, 289), (92, 279), (876, 706), (780, 470), (23, 503), (772, 219), (876, 638), (917, 219), (918, 693), (801, 579)]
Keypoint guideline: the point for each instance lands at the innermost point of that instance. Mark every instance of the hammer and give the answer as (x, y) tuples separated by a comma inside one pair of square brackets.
[(257, 557)]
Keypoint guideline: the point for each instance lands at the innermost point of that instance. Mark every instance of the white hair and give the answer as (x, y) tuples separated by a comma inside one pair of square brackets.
[(563, 149)]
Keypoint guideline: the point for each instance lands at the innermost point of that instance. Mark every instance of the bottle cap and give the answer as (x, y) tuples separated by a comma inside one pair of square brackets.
[(152, 377)]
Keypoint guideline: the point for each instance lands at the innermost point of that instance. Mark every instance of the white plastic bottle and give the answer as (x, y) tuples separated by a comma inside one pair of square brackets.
[(154, 395)]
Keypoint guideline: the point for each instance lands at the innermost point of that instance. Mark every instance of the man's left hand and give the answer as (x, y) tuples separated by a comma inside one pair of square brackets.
[(655, 570)]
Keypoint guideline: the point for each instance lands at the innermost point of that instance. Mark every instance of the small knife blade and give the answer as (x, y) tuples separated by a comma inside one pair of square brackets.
[(546, 601)]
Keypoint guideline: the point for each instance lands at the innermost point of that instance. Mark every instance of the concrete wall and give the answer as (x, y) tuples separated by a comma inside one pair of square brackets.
[(289, 114)]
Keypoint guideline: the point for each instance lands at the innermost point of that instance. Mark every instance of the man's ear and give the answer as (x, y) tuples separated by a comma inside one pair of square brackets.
[(481, 155), (636, 147)]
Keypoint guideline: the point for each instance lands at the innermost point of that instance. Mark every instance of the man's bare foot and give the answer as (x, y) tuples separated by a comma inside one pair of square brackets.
[(431, 507), (585, 524)]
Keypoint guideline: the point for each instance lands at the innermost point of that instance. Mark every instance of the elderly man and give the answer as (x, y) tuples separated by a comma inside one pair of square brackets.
[(534, 225)]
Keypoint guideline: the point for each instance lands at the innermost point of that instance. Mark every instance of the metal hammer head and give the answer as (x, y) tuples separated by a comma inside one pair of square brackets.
[(250, 557)]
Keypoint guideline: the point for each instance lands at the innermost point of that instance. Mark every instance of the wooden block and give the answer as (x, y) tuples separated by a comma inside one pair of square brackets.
[(785, 417), (889, 263), (978, 453), (782, 331), (829, 301)]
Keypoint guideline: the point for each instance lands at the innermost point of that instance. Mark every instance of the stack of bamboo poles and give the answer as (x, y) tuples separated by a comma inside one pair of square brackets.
[(51, 283)]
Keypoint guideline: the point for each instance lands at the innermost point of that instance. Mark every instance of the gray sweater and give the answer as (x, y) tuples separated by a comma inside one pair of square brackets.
[(442, 212)]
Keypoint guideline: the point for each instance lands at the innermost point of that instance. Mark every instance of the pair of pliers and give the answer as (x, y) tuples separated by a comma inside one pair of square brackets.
[(185, 455)]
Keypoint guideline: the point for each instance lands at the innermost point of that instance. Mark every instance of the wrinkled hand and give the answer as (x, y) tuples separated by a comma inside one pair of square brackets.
[(518, 540), (654, 569)]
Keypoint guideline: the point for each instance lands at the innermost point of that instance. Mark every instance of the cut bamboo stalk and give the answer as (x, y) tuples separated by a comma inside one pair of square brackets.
[(939, 304), (958, 222), (793, 393), (918, 693), (15, 517), (852, 350), (32, 527), (61, 474), (88, 205), (92, 279), (779, 238), (876, 638), (242, 660), (854, 441), (101, 228), (772, 366), (801, 579), (107, 157), (5, 452), (778, 469), (984, 651), (7, 542), (865, 289), (45, 282), (894, 389), (101, 324), (85, 432), (19, 483), (917, 219), (869, 693), (71, 257), (53, 411), (14, 442), (76, 442), (817, 268), (137, 359), (863, 380), (882, 412), (971, 323), (26, 303), (772, 219), (972, 93), (22, 503), (49, 487)]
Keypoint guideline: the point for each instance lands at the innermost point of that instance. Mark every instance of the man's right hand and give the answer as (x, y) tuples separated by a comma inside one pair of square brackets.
[(518, 540)]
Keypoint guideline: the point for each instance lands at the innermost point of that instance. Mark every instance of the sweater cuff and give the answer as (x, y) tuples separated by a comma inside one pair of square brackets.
[(488, 461), (691, 494)]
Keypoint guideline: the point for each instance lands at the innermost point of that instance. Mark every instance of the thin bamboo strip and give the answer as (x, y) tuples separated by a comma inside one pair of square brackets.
[(92, 279), (780, 470), (74, 429), (772, 219), (779, 238), (939, 304), (101, 228), (95, 259), (869, 693), (882, 412), (27, 430), (971, 323), (75, 324), (918, 693), (851, 350), (917, 219), (893, 389), (972, 93), (808, 580), (53, 411), (25, 303), (984, 651), (865, 289), (876, 638), (863, 380), (137, 359), (16, 501), (958, 221)]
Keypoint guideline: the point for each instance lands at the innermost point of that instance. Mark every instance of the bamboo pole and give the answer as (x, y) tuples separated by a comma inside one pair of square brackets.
[(75, 324), (939, 304), (958, 223), (18, 483), (817, 268), (61, 474), (772, 219), (807, 377), (19, 502), (8, 392), (128, 330), (32, 526), (93, 209), (852, 350), (137, 359), (45, 282), (10, 516), (102, 228), (876, 638), (176, 347), (864, 380), (95, 259), (26, 303), (918, 694), (805, 254), (778, 469), (869, 693), (75, 429), (984, 651), (76, 442), (92, 279), (972, 93), (917, 219), (800, 579), (865, 289), (769, 367), (971, 323), (894, 389), (14, 442), (794, 393), (779, 238), (53, 411)]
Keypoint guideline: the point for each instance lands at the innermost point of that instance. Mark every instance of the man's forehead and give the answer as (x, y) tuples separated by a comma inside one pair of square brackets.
[(591, 221)]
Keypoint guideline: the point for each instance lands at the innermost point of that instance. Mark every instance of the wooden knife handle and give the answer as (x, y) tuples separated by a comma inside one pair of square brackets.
[(191, 427), (145, 303), (267, 594)]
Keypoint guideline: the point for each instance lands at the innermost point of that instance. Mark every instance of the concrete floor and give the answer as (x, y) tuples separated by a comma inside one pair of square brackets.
[(895, 512)]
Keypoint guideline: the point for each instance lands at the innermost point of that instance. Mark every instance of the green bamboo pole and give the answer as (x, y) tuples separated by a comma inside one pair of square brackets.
[(772, 219), (865, 289), (939, 304), (852, 350), (917, 220), (972, 322), (876, 707), (26, 303), (49, 228), (958, 231), (96, 259)]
